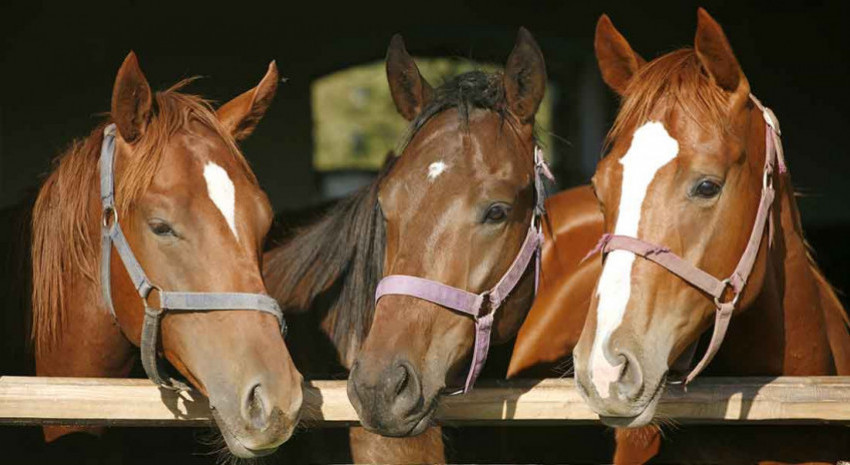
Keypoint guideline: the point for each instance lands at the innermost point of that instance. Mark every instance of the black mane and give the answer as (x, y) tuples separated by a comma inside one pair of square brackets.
[(342, 252)]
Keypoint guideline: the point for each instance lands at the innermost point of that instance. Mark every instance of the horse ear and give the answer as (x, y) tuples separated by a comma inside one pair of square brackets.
[(525, 77), (241, 115), (716, 56), (131, 100), (410, 91), (617, 61)]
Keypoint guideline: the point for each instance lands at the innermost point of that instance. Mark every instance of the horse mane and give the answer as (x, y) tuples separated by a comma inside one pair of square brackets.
[(66, 214), (676, 80), (344, 249)]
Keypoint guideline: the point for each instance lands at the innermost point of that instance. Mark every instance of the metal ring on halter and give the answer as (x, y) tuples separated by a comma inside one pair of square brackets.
[(153, 287), (107, 213), (767, 179), (727, 284), (537, 222), (770, 119), (486, 305)]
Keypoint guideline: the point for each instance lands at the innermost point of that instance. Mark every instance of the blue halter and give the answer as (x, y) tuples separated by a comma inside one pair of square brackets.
[(111, 234)]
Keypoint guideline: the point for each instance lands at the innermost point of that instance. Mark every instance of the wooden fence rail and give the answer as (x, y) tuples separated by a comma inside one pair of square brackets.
[(136, 402)]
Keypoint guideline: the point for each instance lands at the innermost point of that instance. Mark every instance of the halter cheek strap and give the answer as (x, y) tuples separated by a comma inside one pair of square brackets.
[(481, 307), (703, 281), (112, 235)]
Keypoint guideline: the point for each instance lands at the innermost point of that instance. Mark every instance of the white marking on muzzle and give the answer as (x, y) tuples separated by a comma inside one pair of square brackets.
[(652, 148), (222, 193), (435, 169)]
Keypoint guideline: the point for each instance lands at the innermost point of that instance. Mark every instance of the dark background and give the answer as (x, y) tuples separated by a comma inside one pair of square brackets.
[(58, 62)]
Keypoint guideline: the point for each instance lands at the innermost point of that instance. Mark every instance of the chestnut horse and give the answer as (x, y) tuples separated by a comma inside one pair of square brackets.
[(195, 219), (708, 146), (454, 208), (551, 329)]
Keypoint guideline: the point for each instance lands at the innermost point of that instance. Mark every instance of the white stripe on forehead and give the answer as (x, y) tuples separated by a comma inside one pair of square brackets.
[(435, 169), (652, 148), (222, 193)]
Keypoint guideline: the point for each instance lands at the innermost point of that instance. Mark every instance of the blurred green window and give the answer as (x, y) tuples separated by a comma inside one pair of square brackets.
[(355, 122)]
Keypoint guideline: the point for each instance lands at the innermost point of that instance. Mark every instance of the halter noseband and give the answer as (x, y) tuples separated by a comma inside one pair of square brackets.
[(111, 234), (703, 281), (481, 307)]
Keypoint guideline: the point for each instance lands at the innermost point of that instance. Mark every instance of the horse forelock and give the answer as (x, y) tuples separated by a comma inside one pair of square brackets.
[(463, 93), (676, 81)]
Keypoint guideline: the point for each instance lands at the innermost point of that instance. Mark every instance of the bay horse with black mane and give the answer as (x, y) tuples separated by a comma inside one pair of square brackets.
[(693, 163), (161, 192), (455, 211)]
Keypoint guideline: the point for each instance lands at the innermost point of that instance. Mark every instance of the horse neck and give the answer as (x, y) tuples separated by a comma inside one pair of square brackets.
[(796, 325)]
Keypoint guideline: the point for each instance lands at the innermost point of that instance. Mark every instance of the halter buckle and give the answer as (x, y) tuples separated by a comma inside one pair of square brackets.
[(767, 179), (485, 307), (726, 283), (771, 120), (110, 217)]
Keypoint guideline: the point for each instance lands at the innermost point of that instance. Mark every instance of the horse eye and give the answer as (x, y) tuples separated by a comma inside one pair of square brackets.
[(707, 189), (496, 214), (161, 228)]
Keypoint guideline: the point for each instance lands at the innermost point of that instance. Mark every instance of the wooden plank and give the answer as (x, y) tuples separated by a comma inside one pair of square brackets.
[(98, 401), (137, 402)]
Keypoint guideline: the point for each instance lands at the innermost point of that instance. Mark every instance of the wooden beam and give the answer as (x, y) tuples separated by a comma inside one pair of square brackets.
[(137, 402)]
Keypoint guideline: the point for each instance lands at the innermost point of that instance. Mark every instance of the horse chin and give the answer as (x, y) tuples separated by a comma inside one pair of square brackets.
[(422, 424), (643, 418), (413, 425), (235, 445)]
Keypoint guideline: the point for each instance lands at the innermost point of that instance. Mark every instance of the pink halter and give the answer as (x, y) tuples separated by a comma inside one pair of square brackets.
[(699, 278), (481, 307)]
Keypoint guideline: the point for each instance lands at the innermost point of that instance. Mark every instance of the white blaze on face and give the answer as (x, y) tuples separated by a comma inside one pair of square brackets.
[(651, 149), (435, 169), (222, 193)]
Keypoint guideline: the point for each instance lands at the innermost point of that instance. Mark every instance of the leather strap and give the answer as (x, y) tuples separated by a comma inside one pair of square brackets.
[(471, 304), (466, 302), (112, 235)]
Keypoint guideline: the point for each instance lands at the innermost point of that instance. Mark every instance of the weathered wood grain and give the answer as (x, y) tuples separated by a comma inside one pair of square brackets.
[(137, 402)]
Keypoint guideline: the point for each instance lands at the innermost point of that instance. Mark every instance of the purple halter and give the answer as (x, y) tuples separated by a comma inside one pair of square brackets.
[(481, 307)]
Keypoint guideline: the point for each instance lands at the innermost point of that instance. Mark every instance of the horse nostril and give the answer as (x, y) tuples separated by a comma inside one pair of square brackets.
[(404, 388), (631, 376), (256, 410), (404, 377)]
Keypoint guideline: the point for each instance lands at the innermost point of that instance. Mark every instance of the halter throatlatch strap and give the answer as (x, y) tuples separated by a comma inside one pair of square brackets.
[(112, 235), (727, 291), (481, 307)]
